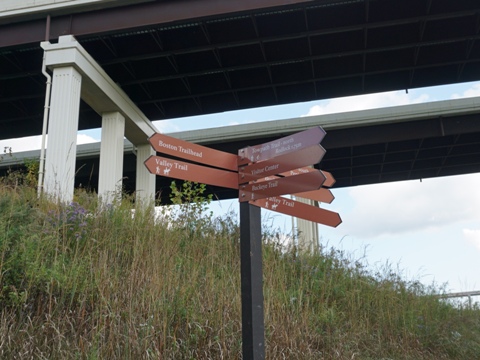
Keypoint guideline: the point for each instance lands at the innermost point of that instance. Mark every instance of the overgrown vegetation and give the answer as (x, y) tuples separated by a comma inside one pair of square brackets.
[(79, 281)]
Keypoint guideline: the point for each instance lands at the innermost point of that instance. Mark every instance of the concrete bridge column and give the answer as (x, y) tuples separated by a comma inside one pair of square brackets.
[(145, 189), (307, 231), (62, 133), (111, 157)]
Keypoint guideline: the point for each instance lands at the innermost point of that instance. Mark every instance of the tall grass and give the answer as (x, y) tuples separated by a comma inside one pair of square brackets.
[(80, 281)]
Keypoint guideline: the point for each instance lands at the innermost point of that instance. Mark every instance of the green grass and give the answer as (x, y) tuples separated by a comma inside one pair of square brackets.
[(81, 282)]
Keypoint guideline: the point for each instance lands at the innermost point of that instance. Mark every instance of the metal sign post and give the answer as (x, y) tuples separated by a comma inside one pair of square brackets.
[(253, 331)]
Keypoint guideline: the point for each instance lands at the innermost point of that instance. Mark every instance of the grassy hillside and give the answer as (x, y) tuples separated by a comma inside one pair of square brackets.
[(80, 282)]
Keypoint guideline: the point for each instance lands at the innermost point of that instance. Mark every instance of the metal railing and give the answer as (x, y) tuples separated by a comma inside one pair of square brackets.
[(468, 294)]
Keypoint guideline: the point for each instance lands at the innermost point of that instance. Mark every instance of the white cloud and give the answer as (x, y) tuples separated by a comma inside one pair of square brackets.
[(364, 102), (472, 236), (167, 126), (471, 92), (35, 142), (22, 144), (405, 207), (85, 139)]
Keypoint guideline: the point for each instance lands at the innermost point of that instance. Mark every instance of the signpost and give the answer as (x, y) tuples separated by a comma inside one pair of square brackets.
[(261, 173)]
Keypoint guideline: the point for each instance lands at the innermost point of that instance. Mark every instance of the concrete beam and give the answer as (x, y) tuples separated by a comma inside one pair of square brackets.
[(98, 89), (21, 10), (438, 110)]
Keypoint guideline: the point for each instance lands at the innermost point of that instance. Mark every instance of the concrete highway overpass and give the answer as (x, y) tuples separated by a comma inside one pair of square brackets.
[(363, 147), (184, 57)]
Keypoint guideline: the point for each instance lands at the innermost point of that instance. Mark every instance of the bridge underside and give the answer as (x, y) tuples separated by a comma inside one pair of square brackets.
[(230, 55), (211, 58)]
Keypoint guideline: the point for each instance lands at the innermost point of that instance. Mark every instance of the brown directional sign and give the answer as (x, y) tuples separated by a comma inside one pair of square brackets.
[(281, 186), (329, 179), (280, 164), (321, 195), (299, 210), (186, 171), (193, 152), (285, 145)]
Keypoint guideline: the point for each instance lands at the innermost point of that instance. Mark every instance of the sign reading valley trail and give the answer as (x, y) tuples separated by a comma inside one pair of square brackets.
[(186, 171), (261, 173)]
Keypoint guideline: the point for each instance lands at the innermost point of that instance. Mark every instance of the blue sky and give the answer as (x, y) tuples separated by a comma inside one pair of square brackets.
[(429, 230)]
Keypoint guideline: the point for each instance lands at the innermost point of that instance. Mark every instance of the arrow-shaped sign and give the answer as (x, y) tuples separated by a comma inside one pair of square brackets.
[(193, 152), (186, 171), (277, 165), (285, 145), (299, 210), (281, 186), (322, 195), (329, 179)]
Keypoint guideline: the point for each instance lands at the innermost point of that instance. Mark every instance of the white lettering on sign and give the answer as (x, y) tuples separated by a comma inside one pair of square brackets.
[(259, 187), (264, 185), (167, 146), (183, 167), (191, 152), (261, 149), (274, 199), (163, 162), (286, 147), (273, 184), (288, 203), (180, 148), (297, 171), (264, 169)]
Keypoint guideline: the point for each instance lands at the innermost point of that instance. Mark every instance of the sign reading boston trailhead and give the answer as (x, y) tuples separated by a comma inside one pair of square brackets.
[(193, 152)]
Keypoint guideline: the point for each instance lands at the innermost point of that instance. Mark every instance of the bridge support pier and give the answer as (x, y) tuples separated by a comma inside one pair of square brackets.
[(111, 157), (62, 133), (145, 182), (307, 231)]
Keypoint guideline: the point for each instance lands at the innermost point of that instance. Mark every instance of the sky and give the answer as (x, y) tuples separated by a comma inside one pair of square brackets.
[(426, 230)]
